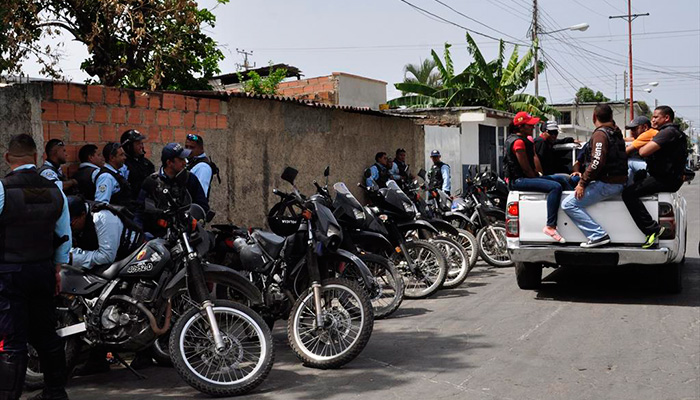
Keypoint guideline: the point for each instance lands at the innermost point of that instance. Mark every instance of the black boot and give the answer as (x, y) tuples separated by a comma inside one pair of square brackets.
[(55, 374), (13, 368)]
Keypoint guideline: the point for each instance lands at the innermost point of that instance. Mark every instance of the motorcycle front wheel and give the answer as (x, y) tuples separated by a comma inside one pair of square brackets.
[(348, 321), (493, 245), (431, 267), (388, 295), (244, 363), (457, 260)]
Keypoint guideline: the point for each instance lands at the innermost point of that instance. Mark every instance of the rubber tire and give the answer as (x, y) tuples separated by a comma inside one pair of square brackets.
[(528, 275), (464, 267), (385, 264), (162, 356), (484, 256), (441, 261), (363, 337), (474, 255), (206, 387), (73, 347), (671, 277)]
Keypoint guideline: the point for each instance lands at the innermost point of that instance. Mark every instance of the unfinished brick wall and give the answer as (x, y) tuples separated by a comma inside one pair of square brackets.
[(323, 89), (82, 114)]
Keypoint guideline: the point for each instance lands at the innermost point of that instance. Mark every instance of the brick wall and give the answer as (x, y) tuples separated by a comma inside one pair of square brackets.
[(81, 114), (323, 89)]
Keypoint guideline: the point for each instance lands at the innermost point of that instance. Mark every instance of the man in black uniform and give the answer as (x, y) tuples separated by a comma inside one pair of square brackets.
[(91, 161), (138, 166), (544, 148), (399, 168), (666, 155), (51, 170), (35, 237), (439, 174)]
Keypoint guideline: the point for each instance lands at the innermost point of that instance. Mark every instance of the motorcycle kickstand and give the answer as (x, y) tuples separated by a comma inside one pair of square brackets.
[(121, 361)]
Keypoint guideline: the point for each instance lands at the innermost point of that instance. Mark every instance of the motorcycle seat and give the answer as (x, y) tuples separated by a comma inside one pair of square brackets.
[(110, 271), (272, 243)]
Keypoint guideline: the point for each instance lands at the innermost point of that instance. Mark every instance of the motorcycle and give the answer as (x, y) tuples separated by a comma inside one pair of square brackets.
[(219, 347)]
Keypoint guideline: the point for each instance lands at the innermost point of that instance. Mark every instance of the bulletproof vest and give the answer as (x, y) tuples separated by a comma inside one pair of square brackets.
[(384, 175), (123, 196), (616, 160), (214, 169), (512, 167), (403, 169), (154, 186), (669, 161), (50, 166), (86, 186), (33, 204), (436, 180), (139, 169), (131, 236)]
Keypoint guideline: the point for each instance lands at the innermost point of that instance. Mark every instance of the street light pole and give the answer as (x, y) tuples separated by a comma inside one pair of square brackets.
[(534, 40)]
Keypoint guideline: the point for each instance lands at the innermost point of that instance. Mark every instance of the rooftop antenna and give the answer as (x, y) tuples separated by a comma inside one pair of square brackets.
[(245, 65)]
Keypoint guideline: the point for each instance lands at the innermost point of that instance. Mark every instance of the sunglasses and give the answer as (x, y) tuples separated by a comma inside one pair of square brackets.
[(192, 137)]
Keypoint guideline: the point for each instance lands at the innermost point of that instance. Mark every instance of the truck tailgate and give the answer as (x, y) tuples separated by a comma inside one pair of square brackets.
[(611, 214)]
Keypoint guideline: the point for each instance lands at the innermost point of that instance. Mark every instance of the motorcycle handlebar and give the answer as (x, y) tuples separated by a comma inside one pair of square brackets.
[(280, 193)]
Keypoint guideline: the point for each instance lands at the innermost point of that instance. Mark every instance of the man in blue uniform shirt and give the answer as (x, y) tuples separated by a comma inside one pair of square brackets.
[(199, 163), (36, 237), (51, 169), (439, 174), (111, 186)]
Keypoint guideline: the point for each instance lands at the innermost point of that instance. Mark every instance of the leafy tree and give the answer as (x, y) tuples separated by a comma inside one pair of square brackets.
[(422, 73), (254, 83), (586, 95), (490, 84), (154, 44)]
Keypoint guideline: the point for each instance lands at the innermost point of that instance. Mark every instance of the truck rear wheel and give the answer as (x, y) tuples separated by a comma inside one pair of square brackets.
[(671, 277), (528, 275)]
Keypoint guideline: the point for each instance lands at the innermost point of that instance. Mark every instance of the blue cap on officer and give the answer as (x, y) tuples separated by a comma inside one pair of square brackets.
[(435, 153), (174, 150)]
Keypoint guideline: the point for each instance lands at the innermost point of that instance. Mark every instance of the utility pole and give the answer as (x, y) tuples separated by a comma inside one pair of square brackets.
[(629, 18), (534, 41), (624, 90), (245, 58)]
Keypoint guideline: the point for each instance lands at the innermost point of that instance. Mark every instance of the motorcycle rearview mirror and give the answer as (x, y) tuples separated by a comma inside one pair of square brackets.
[(289, 175), (421, 174), (327, 171)]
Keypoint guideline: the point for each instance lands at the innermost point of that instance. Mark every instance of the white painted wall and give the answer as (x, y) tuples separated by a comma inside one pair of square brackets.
[(356, 91), (447, 141)]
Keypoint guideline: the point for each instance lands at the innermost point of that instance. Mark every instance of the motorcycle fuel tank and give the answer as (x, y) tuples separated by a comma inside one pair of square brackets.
[(148, 262)]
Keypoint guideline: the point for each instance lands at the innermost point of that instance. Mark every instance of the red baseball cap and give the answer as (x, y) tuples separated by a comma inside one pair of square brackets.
[(523, 118)]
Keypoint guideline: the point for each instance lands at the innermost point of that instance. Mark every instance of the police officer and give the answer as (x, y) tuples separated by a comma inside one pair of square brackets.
[(35, 236), (666, 155), (111, 186), (173, 175), (51, 170), (439, 174), (138, 167), (199, 164), (91, 161), (399, 168), (378, 173)]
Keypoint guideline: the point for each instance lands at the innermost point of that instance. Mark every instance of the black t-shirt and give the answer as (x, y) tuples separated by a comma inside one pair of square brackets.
[(669, 161)]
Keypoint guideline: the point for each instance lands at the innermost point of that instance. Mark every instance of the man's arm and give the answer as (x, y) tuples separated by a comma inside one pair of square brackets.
[(203, 172), (394, 172), (62, 230), (599, 153), (109, 228), (521, 156), (565, 140), (374, 175), (104, 187), (446, 184), (538, 165), (198, 196)]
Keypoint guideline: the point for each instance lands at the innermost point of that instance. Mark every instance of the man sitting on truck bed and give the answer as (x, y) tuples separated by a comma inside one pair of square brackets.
[(642, 132), (604, 177), (666, 156)]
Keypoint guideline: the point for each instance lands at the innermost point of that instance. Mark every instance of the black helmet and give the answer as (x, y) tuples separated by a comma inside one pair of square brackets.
[(281, 224), (131, 136)]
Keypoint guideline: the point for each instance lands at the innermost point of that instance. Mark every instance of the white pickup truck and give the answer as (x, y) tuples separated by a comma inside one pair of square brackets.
[(531, 250)]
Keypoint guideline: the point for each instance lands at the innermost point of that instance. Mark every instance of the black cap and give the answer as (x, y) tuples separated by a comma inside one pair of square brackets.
[(637, 121), (173, 150), (76, 206)]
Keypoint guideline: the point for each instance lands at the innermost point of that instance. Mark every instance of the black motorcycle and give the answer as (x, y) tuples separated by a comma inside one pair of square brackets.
[(219, 347), (329, 319)]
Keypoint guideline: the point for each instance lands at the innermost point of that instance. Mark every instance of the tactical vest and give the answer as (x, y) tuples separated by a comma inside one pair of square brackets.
[(403, 169), (139, 170), (86, 186), (48, 165), (384, 175), (129, 240), (436, 180), (616, 160), (214, 169), (33, 204), (512, 167), (668, 163), (123, 196)]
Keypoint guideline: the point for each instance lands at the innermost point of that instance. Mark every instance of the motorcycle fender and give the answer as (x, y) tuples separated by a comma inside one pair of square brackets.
[(217, 274), (444, 226), (375, 239), (366, 274), (417, 225)]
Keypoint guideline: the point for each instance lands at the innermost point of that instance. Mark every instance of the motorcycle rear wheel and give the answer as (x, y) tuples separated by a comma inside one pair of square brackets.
[(391, 285)]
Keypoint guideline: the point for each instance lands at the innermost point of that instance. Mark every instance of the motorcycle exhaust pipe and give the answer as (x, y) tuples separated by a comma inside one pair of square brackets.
[(151, 319)]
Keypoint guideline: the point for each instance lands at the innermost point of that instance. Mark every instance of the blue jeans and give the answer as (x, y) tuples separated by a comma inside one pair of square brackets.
[(634, 165), (596, 191), (563, 180), (543, 185)]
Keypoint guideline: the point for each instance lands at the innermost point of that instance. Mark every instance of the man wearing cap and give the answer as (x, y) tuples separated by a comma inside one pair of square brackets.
[(111, 186), (439, 174), (173, 175), (51, 170), (138, 167), (35, 236), (544, 148), (642, 132), (520, 162), (378, 173), (199, 164), (91, 161)]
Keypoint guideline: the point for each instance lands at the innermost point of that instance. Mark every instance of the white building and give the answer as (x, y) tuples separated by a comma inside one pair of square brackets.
[(576, 119)]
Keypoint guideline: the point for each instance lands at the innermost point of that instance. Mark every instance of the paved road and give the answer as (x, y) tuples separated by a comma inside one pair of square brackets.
[(587, 334)]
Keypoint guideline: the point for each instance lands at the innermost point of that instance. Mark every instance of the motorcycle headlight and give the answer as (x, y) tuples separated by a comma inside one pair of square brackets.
[(333, 231), (359, 214), (408, 206)]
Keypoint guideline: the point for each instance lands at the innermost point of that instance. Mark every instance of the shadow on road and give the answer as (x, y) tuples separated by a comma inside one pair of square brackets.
[(627, 284)]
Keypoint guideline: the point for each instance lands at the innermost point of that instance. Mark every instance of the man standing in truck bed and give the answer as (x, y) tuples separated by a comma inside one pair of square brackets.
[(603, 178)]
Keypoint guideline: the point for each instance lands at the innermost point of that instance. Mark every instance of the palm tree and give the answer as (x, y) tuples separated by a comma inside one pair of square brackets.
[(489, 84), (422, 73)]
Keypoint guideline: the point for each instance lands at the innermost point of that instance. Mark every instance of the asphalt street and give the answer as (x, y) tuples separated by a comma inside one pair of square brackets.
[(599, 333)]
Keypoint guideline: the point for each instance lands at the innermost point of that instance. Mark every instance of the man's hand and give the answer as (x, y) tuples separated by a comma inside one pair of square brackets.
[(58, 279), (575, 174), (579, 191)]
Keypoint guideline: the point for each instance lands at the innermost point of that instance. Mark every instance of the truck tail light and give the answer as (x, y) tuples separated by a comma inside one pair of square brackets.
[(512, 223), (667, 219)]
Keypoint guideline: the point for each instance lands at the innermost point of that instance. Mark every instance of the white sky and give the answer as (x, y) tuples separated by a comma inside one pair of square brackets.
[(377, 38)]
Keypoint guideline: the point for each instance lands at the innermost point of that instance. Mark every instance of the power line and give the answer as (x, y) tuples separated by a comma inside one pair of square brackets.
[(476, 21)]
